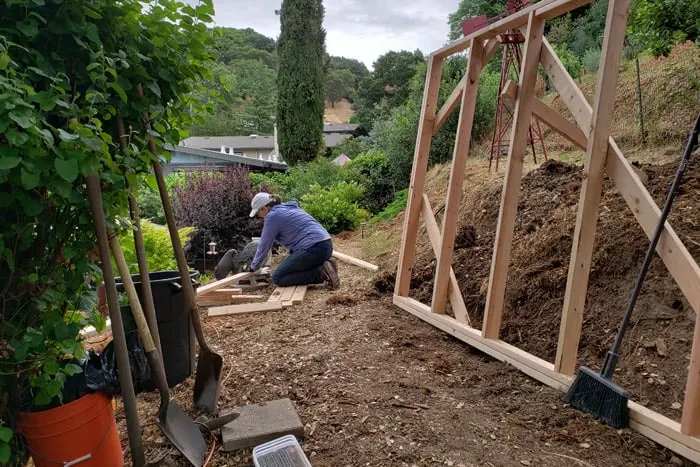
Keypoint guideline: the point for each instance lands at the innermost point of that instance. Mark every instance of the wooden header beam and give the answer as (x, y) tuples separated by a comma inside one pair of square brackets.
[(546, 9)]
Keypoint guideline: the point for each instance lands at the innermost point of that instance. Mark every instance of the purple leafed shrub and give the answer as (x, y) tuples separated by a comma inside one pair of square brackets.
[(217, 203)]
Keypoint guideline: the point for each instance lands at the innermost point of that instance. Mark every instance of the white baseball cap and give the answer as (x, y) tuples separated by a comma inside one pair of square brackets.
[(259, 201)]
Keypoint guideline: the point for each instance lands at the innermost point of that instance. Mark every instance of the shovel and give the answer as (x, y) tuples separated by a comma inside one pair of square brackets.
[(172, 419), (209, 364)]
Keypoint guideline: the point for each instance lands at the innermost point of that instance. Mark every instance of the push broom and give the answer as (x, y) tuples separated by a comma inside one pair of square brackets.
[(595, 393)]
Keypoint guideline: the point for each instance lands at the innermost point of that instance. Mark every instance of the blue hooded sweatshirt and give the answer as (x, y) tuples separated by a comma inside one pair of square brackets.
[(290, 226)]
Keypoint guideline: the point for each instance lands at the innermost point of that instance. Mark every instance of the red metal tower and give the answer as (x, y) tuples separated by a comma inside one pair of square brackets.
[(510, 69)]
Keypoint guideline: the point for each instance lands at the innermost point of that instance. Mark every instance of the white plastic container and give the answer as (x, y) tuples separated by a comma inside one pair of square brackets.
[(284, 451)]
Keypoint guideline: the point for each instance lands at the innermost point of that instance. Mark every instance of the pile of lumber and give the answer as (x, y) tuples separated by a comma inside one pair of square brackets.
[(281, 297), (226, 296)]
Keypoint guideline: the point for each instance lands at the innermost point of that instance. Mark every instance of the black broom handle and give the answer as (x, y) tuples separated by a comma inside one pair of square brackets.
[(613, 354)]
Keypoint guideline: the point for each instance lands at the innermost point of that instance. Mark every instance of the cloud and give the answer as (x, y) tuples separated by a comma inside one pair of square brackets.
[(360, 29)]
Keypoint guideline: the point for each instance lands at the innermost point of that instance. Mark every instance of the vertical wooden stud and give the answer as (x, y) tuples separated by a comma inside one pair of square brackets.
[(454, 191), (593, 174), (420, 167), (511, 185), (690, 421)]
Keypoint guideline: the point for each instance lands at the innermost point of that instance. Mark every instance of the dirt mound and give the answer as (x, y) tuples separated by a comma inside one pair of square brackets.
[(670, 98), (539, 266)]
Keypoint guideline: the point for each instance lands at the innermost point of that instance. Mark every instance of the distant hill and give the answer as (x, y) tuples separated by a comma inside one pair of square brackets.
[(341, 113), (243, 92)]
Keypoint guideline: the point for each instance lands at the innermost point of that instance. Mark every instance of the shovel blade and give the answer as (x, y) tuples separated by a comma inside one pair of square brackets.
[(207, 381), (183, 433)]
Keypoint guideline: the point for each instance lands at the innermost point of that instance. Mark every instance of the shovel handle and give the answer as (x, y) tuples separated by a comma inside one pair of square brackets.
[(188, 289), (149, 346)]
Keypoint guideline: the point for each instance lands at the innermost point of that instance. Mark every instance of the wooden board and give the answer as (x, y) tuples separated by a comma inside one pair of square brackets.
[(420, 167), (357, 262), (591, 189), (276, 294), (211, 300), (459, 308), (223, 282), (286, 296), (244, 308), (505, 229), (651, 424), (299, 294), (545, 9), (454, 189)]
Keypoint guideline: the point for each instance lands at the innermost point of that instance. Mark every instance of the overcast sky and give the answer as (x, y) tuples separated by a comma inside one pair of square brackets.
[(360, 29)]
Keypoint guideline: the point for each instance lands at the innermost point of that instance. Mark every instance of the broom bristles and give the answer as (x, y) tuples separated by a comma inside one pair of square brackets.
[(600, 397)]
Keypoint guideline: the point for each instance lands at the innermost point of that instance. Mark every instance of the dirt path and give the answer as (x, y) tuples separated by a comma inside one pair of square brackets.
[(376, 386)]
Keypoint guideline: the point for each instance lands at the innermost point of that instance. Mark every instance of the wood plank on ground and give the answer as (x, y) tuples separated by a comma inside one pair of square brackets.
[(244, 308), (223, 283), (286, 297), (299, 294), (276, 294), (355, 261)]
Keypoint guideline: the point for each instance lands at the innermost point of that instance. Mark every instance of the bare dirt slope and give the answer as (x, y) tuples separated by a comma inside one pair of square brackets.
[(342, 112), (376, 386)]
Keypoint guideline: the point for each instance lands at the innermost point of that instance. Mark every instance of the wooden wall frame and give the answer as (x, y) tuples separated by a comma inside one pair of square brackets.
[(590, 131)]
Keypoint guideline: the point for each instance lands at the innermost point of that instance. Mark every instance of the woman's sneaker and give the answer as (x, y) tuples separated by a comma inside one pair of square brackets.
[(330, 275)]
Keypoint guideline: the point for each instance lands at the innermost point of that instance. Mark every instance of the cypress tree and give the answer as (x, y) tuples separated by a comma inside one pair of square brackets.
[(300, 80)]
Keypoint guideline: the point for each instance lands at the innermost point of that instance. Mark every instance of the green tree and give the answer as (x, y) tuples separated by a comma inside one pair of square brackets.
[(339, 83), (232, 44), (387, 87), (659, 25), (243, 96), (356, 67), (300, 83)]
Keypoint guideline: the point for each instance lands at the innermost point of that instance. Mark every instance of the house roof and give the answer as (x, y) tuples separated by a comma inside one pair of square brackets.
[(230, 158), (339, 127), (341, 160), (235, 142), (333, 134), (332, 139)]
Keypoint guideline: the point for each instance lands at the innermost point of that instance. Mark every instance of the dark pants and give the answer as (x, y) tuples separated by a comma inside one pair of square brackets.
[(303, 267)]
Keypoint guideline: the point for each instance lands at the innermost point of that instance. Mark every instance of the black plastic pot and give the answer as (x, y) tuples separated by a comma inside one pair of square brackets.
[(177, 338)]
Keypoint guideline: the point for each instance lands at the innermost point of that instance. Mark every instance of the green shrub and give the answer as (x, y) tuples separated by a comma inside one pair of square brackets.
[(352, 147), (336, 208), (159, 249), (591, 60), (394, 208), (372, 170), (276, 181), (150, 205), (297, 181), (570, 61)]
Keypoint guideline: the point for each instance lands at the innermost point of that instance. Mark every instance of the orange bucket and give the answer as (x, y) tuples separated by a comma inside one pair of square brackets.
[(81, 433)]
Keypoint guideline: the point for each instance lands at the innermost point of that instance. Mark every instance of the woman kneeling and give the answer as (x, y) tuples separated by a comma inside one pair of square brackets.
[(309, 244)]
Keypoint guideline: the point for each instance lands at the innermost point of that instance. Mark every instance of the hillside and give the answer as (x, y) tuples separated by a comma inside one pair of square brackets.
[(341, 112), (243, 91), (670, 97)]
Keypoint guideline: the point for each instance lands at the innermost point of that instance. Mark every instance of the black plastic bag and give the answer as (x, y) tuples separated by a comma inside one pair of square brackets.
[(102, 372)]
